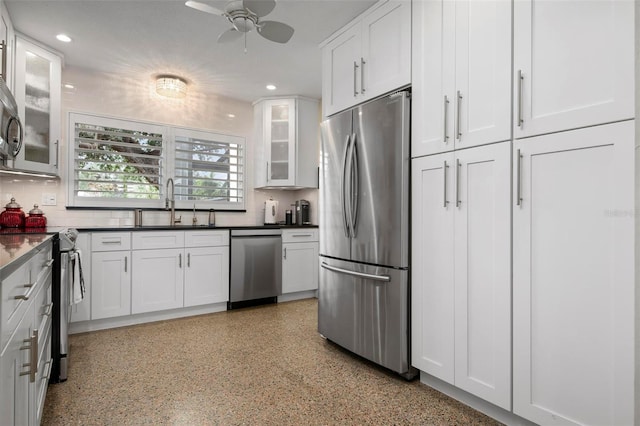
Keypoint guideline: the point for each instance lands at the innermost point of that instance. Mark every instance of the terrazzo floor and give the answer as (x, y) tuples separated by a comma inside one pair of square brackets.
[(256, 366)]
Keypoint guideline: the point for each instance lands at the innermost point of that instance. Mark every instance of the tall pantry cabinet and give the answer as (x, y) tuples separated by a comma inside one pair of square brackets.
[(571, 199)]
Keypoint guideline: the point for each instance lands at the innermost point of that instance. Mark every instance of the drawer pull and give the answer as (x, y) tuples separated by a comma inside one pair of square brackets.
[(33, 356), (48, 309), (112, 242), (49, 366), (49, 263), (302, 235), (29, 293)]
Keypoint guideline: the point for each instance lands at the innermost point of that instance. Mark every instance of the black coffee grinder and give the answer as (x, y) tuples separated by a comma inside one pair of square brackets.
[(303, 212)]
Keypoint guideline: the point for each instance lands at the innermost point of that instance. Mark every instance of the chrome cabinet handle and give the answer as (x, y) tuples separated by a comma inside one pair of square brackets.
[(48, 309), (285, 252), (180, 260), (520, 81), (188, 260), (446, 118), (519, 179), (355, 73), (49, 367), (458, 110), (458, 167), (444, 192), (33, 356), (111, 242), (125, 263), (3, 46), (362, 62), (57, 153), (302, 235), (28, 294), (383, 278), (267, 173), (49, 263)]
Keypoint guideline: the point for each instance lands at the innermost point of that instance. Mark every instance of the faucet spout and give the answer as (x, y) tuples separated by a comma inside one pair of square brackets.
[(170, 203)]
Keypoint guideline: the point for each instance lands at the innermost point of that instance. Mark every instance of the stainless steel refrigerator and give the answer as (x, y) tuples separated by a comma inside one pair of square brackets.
[(363, 297)]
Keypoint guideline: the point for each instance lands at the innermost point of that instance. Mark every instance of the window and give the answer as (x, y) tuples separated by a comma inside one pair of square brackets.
[(122, 163)]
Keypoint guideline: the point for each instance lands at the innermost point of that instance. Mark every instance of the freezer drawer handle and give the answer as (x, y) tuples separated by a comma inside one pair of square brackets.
[(384, 278)]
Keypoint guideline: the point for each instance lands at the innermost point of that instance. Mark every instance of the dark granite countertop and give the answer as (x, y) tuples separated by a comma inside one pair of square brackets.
[(187, 228)]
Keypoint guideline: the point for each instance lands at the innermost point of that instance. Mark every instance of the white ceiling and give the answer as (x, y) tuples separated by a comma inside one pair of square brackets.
[(145, 38)]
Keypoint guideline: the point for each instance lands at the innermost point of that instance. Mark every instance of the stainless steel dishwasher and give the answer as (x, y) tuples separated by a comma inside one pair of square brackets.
[(256, 267)]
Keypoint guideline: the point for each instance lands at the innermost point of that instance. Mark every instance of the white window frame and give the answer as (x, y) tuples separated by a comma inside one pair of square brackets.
[(167, 162)]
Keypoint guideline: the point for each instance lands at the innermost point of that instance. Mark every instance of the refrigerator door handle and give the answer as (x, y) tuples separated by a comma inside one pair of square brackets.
[(343, 190), (383, 278), (355, 185)]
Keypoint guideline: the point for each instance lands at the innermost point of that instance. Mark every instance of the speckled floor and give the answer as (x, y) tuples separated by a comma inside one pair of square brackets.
[(254, 366)]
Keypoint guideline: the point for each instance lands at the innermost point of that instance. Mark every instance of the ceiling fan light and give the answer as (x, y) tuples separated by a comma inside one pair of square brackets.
[(243, 24), (171, 86)]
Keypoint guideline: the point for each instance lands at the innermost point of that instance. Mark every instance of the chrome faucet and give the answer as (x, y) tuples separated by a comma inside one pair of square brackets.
[(170, 203)]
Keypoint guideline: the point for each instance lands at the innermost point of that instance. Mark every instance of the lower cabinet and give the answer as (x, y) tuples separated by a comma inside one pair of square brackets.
[(300, 253), (573, 277), (461, 275), (25, 360), (206, 277), (157, 282), (110, 284)]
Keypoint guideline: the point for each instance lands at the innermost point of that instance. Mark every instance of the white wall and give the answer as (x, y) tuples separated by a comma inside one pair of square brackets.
[(126, 97)]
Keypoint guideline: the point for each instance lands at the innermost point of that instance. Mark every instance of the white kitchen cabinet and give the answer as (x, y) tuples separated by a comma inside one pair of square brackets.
[(370, 57), (7, 37), (461, 74), (25, 360), (206, 276), (38, 95), (287, 142), (576, 63), (157, 281), (461, 271), (573, 276), (300, 251), (110, 284)]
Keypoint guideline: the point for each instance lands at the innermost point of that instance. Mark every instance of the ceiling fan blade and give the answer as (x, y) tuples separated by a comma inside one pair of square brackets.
[(275, 31), (202, 7), (259, 7), (229, 35)]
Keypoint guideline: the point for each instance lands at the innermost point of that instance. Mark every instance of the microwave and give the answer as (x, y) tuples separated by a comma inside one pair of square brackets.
[(10, 126)]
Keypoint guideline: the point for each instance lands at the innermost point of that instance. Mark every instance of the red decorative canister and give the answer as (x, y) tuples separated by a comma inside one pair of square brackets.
[(36, 218), (13, 216)]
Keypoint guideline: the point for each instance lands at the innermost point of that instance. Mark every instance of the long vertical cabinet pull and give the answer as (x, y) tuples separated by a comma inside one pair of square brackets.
[(519, 179), (520, 84), (355, 73), (285, 252), (458, 167), (33, 356), (444, 191), (180, 260), (267, 172), (3, 46), (458, 108), (188, 260), (57, 153), (362, 62), (446, 117), (343, 190), (125, 263)]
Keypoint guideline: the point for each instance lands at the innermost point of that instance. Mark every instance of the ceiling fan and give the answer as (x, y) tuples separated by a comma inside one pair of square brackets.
[(244, 16)]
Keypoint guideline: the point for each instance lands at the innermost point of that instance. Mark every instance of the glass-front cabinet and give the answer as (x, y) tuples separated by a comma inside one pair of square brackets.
[(287, 142), (38, 94)]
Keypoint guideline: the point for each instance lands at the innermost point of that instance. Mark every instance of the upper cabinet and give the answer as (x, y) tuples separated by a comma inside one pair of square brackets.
[(38, 94), (573, 64), (7, 45), (461, 74), (368, 58), (287, 142)]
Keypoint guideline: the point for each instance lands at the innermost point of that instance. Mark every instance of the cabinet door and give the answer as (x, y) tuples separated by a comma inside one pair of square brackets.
[(110, 284), (433, 84), (14, 379), (280, 140), (482, 228), (340, 71), (157, 282), (385, 62), (482, 101), (206, 276), (299, 267), (432, 281), (573, 277), (576, 61), (38, 96)]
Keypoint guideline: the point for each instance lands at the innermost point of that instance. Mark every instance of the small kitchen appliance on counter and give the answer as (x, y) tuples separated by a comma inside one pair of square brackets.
[(303, 212), (270, 211)]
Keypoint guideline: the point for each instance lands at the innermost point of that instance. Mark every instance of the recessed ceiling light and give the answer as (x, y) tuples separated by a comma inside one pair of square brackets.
[(231, 115), (63, 37), (69, 86), (271, 87)]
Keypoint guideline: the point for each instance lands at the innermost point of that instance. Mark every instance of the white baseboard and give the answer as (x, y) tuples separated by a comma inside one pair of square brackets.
[(103, 324), (297, 296)]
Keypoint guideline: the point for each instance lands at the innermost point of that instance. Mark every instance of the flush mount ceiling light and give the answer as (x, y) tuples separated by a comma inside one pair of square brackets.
[(63, 37), (171, 86), (271, 87)]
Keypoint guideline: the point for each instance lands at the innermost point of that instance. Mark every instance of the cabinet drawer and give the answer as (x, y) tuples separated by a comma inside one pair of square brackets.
[(158, 240), (110, 241), (299, 235), (206, 238)]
